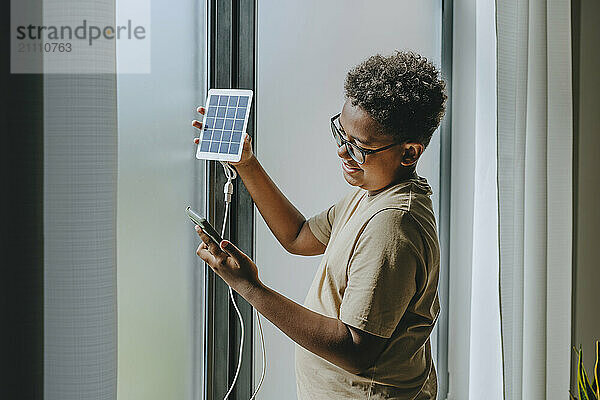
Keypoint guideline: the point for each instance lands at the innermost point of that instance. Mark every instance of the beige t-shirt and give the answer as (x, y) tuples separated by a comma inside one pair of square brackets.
[(379, 273)]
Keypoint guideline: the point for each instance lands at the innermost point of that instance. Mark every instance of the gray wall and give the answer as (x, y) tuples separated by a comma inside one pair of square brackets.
[(586, 316), (305, 49), (158, 273)]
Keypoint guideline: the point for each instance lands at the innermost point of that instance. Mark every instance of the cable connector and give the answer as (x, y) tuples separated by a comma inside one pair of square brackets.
[(231, 174), (228, 191)]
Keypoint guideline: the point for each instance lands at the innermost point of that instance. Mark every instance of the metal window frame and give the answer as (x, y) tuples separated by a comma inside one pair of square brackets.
[(445, 182), (575, 57), (230, 64)]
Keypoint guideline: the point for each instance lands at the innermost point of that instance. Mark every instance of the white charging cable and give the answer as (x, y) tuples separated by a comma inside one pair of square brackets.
[(231, 174)]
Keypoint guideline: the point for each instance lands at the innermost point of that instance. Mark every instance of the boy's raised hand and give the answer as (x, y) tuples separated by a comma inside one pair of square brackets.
[(247, 153)]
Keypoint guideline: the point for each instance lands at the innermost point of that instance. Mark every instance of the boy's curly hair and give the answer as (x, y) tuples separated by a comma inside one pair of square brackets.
[(402, 92)]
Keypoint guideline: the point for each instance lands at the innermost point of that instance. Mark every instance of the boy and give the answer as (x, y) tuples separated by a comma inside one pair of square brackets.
[(364, 329)]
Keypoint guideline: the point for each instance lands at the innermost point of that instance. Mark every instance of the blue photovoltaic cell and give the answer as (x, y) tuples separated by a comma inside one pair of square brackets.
[(224, 124)]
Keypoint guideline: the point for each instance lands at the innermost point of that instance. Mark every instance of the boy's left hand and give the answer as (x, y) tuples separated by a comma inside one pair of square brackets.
[(231, 264)]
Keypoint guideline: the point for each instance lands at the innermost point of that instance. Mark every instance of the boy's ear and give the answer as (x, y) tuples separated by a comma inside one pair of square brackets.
[(411, 153)]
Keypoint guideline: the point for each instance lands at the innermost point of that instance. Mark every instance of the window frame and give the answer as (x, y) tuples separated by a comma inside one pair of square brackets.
[(444, 203), (230, 64)]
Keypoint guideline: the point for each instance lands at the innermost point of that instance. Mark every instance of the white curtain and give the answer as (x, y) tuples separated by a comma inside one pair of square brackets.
[(80, 184), (474, 350), (534, 192)]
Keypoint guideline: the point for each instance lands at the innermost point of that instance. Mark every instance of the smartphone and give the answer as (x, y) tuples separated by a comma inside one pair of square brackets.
[(205, 225)]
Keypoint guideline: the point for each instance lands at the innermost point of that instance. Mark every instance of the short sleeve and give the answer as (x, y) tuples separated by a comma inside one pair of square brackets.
[(321, 224), (382, 273)]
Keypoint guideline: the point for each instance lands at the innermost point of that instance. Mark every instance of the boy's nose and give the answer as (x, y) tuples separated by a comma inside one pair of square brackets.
[(342, 152)]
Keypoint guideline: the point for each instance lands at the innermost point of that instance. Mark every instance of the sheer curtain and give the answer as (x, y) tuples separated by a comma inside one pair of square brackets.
[(474, 350), (80, 184), (534, 192)]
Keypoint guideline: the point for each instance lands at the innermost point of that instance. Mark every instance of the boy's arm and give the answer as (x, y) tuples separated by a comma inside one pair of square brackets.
[(347, 347), (343, 345)]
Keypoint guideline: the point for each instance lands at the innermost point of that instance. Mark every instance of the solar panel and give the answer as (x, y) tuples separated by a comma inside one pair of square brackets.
[(224, 124)]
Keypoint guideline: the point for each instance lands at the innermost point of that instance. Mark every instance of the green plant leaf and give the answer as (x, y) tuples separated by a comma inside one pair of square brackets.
[(596, 383), (583, 383)]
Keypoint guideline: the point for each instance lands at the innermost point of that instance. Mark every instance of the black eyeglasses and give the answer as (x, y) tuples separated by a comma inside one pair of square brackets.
[(356, 152)]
